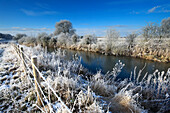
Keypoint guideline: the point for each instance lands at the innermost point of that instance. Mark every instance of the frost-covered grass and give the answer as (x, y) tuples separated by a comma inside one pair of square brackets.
[(80, 90)]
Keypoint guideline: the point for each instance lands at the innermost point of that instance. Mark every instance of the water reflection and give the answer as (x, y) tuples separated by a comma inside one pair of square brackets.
[(95, 62)]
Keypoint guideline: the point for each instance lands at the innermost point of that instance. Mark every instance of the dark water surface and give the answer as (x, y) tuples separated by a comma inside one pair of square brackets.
[(95, 62)]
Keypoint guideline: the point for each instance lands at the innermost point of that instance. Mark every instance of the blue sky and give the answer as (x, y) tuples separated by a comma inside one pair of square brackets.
[(87, 16)]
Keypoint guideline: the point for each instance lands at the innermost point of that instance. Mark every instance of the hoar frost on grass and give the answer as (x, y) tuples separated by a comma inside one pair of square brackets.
[(79, 90)]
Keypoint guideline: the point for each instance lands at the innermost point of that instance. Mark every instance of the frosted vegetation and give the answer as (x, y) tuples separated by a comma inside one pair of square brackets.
[(80, 90), (152, 42)]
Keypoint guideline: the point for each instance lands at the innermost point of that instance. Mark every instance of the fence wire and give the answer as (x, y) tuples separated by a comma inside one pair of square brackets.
[(41, 76)]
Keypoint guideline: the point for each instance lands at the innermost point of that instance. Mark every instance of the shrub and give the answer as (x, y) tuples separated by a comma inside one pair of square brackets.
[(74, 38), (89, 39), (52, 42), (22, 40), (31, 40), (27, 40), (19, 36), (43, 39), (64, 39)]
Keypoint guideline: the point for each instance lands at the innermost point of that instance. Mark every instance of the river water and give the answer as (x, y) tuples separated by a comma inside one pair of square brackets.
[(97, 62)]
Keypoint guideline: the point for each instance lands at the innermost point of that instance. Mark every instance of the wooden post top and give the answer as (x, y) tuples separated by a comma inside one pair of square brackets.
[(34, 57)]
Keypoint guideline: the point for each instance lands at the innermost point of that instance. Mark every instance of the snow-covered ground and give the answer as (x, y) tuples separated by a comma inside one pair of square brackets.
[(78, 89)]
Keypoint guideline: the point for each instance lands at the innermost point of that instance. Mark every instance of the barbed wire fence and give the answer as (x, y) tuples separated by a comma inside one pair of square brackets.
[(41, 98)]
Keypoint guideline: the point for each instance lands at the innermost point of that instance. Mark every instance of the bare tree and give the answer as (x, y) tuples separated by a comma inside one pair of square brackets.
[(151, 30), (111, 37), (112, 34), (64, 26), (130, 39), (165, 26)]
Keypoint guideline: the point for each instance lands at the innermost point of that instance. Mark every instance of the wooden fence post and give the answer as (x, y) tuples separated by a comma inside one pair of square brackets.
[(18, 51), (15, 47), (22, 57), (37, 80)]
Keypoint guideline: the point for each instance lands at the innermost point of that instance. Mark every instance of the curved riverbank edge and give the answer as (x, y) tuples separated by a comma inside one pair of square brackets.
[(156, 55)]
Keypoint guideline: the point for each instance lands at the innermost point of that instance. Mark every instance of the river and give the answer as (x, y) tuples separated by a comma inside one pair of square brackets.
[(97, 62)]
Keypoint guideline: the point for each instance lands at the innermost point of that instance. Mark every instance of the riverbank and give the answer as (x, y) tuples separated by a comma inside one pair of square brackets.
[(151, 50), (78, 89)]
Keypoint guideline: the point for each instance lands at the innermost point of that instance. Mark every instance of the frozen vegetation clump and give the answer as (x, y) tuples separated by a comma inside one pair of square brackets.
[(19, 36), (89, 39), (64, 39), (27, 40), (78, 89), (74, 38), (43, 39)]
